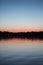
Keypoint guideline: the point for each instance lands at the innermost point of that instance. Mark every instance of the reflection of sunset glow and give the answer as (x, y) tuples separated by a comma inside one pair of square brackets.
[(19, 41)]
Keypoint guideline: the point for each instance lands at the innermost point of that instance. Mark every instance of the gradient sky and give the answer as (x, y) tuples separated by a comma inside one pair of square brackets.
[(21, 15)]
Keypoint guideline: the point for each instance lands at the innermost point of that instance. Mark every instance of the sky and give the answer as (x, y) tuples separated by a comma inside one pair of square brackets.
[(21, 15)]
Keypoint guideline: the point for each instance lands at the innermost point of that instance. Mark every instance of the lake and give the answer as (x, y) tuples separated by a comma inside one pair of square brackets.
[(21, 52)]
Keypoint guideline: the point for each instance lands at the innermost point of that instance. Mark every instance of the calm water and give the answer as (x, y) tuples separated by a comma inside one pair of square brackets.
[(21, 52)]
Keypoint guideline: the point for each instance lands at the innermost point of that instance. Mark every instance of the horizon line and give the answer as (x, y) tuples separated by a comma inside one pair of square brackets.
[(21, 31)]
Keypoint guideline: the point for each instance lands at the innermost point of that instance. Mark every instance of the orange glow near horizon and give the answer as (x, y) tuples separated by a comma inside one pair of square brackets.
[(21, 29)]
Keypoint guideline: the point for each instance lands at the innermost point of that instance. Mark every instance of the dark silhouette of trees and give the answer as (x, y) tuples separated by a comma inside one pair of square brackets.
[(30, 35)]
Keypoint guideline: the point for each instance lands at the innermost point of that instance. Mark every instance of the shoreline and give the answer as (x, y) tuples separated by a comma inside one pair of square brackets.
[(23, 35)]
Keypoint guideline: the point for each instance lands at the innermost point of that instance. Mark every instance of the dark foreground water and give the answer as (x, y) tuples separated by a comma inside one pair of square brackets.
[(21, 52)]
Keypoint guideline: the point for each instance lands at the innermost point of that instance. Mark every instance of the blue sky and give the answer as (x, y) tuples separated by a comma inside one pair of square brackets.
[(17, 14)]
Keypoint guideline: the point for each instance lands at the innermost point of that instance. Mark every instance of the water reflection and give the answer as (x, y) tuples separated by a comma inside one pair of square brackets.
[(21, 52)]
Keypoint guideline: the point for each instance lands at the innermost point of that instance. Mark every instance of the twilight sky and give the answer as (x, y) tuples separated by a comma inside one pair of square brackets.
[(21, 15)]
